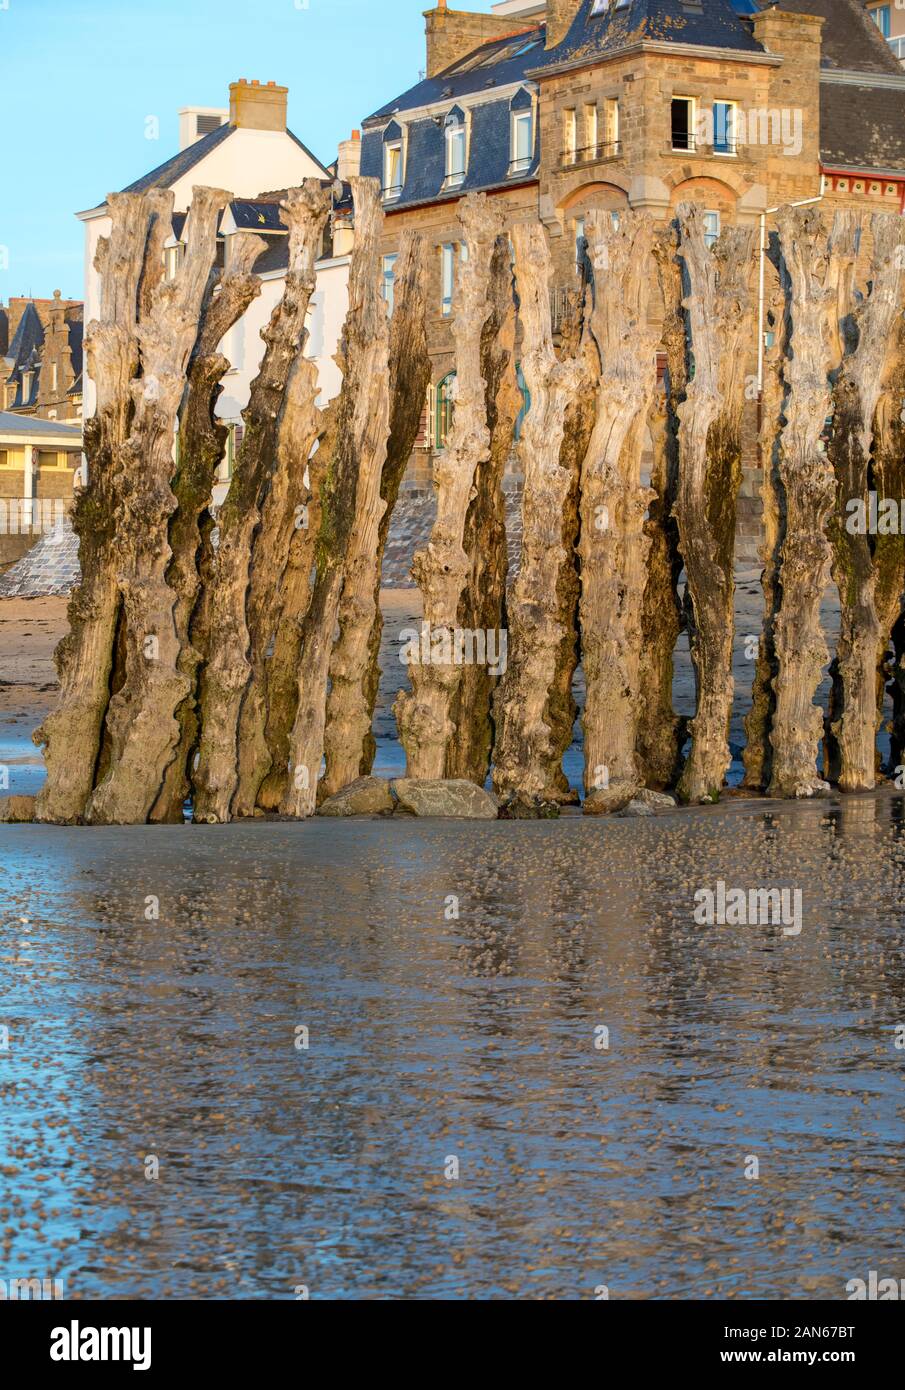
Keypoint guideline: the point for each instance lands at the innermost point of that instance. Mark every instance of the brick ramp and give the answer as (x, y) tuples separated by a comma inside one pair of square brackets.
[(49, 569)]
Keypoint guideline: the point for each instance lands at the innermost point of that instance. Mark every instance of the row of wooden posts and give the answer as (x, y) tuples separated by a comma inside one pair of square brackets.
[(230, 659)]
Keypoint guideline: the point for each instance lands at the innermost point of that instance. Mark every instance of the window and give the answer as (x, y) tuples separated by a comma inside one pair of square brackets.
[(581, 245), (522, 141), (682, 123), (392, 169), (172, 257), (233, 445), (443, 410), (724, 126), (601, 6), (26, 387), (54, 375), (611, 127), (590, 129), (569, 135), (455, 150), (389, 279), (447, 277), (711, 227), (880, 16)]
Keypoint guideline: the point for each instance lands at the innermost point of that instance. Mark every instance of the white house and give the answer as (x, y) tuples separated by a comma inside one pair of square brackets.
[(249, 151)]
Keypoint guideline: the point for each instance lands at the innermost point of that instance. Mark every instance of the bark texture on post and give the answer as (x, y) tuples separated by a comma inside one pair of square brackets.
[(359, 428), (818, 271), (720, 322), (202, 441), (852, 733), (84, 657), (241, 632), (482, 607), (758, 751), (354, 665), (410, 373), (658, 750), (527, 756), (424, 715), (614, 547), (141, 725)]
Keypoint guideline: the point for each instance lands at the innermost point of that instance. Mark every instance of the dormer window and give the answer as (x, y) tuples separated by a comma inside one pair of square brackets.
[(521, 150), (26, 387), (601, 6), (455, 149), (393, 175), (172, 259)]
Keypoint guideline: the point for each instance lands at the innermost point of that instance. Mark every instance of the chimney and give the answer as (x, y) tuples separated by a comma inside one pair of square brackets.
[(256, 107), (451, 34), (197, 121), (348, 164), (560, 14)]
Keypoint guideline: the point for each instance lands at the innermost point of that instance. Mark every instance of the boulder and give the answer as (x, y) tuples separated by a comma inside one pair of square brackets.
[(453, 797), (636, 808), (366, 796), (654, 799), (15, 809), (606, 801)]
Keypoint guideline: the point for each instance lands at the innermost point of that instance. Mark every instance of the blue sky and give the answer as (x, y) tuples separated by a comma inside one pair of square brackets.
[(81, 76)]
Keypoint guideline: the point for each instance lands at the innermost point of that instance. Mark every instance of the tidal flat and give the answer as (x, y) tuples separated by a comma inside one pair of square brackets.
[(422, 1059)]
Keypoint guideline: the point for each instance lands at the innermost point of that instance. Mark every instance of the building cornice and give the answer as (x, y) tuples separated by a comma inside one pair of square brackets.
[(679, 50), (845, 77), (484, 97)]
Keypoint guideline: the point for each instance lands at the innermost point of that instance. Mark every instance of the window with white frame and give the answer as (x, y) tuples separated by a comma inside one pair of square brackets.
[(455, 150), (54, 376), (392, 169), (601, 6), (569, 134), (447, 277), (724, 127), (711, 226), (682, 117), (389, 280), (522, 149), (172, 258)]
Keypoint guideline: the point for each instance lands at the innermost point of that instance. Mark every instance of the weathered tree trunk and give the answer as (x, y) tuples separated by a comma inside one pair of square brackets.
[(354, 666), (852, 734), (410, 373), (202, 440), (424, 715), (758, 752), (719, 318), (482, 605), (526, 757), (350, 503), (243, 633), (141, 724), (658, 751), (888, 478), (613, 545), (818, 270), (72, 733)]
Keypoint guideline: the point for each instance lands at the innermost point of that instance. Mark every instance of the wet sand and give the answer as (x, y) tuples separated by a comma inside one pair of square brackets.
[(451, 1128)]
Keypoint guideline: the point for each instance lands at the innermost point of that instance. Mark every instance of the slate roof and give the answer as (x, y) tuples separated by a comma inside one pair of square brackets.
[(849, 39), (30, 424), (491, 65), (711, 24), (862, 127)]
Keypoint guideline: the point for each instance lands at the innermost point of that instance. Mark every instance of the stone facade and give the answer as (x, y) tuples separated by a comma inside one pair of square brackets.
[(41, 359)]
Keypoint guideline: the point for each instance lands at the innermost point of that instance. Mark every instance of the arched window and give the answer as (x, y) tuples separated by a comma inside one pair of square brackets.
[(443, 410)]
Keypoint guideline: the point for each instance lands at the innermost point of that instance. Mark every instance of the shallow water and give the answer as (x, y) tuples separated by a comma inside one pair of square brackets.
[(431, 1038)]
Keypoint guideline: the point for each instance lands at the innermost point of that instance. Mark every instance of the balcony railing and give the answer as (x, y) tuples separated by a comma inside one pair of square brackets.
[(392, 190), (690, 144), (559, 308), (589, 154)]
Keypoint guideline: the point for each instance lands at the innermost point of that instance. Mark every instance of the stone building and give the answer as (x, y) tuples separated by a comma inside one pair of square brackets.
[(554, 109), (41, 358)]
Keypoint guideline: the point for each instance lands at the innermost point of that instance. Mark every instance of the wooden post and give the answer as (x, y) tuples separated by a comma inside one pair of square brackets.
[(72, 734), (614, 547), (720, 317), (269, 459), (527, 754)]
